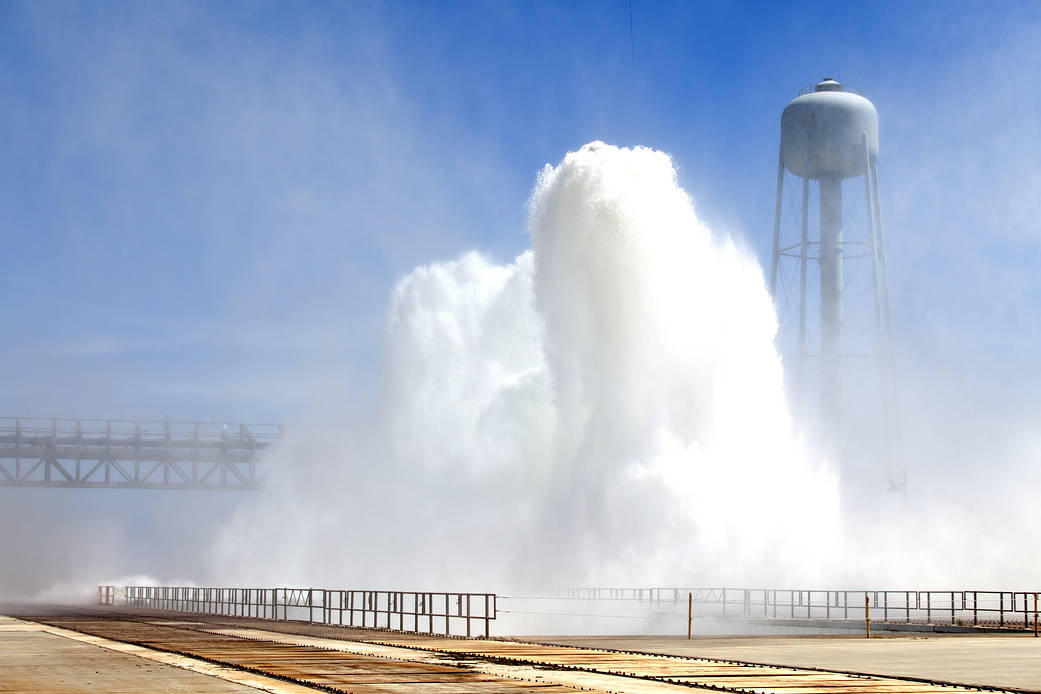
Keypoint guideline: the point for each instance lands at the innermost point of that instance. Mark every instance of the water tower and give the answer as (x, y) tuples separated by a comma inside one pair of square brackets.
[(829, 138)]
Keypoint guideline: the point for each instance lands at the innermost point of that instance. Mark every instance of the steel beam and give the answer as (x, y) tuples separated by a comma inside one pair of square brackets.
[(131, 454)]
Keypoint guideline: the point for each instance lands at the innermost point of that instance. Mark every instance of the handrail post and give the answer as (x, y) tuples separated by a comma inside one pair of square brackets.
[(690, 615)]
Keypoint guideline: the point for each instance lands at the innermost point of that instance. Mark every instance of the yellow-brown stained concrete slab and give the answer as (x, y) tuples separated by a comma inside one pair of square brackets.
[(588, 681), (36, 658), (308, 664), (363, 660), (995, 661)]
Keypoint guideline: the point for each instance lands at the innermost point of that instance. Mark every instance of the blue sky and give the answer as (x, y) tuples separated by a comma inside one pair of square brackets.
[(205, 205)]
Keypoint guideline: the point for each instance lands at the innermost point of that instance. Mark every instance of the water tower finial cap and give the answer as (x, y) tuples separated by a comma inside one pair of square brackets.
[(828, 84)]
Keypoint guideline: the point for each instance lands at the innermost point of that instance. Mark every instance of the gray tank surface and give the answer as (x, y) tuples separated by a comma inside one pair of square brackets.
[(822, 133)]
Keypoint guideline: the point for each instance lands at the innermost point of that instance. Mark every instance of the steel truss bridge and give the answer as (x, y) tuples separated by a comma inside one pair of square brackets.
[(129, 454)]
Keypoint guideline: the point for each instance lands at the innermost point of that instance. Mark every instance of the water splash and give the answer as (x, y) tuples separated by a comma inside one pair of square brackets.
[(608, 408), (673, 450)]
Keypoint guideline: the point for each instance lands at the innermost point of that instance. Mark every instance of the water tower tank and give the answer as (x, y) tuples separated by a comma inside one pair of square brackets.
[(822, 133)]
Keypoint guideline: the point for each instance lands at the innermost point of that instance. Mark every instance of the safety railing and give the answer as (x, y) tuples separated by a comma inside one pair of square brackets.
[(108, 433), (811, 88), (129, 454), (1006, 609), (422, 612), (107, 595)]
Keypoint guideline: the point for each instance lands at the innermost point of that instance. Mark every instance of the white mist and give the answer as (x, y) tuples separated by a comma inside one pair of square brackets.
[(607, 409)]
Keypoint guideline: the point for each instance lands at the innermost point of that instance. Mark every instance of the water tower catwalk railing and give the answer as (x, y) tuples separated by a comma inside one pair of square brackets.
[(394, 610), (936, 608)]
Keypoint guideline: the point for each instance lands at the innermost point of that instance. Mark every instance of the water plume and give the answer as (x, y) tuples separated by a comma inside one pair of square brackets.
[(673, 448), (608, 408)]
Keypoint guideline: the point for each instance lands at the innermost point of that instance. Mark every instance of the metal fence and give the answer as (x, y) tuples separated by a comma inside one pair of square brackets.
[(114, 453), (422, 612), (131, 432), (1007, 609)]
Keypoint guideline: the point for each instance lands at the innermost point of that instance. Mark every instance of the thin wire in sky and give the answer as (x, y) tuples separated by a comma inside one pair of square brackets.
[(632, 55)]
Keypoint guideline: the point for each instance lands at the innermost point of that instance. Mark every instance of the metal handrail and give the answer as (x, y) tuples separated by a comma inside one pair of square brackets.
[(38, 428), (368, 609), (132, 454), (1015, 608), (810, 89)]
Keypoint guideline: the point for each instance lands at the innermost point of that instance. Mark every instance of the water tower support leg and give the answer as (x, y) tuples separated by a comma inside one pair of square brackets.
[(869, 195), (831, 296), (882, 254), (804, 247), (777, 229), (897, 470)]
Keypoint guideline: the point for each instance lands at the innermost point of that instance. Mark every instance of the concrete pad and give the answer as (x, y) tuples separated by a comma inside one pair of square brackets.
[(35, 661), (996, 661), (577, 679), (37, 658)]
